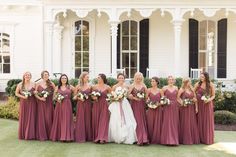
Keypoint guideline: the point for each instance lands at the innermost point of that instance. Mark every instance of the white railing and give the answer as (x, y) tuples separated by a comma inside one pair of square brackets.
[(195, 73), (152, 72), (120, 71)]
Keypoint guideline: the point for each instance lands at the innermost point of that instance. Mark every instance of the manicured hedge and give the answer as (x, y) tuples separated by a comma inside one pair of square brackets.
[(225, 101), (225, 117)]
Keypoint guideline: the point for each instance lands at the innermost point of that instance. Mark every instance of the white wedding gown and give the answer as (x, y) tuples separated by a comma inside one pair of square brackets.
[(122, 125)]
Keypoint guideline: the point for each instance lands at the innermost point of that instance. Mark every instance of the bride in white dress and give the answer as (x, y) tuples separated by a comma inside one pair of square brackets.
[(122, 125)]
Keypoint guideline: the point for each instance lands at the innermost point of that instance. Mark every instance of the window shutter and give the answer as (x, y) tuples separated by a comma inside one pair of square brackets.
[(193, 44), (118, 47), (222, 49), (144, 46)]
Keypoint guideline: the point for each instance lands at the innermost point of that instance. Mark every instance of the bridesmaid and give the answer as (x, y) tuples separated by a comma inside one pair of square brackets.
[(83, 131), (27, 117), (100, 113), (154, 116), (44, 107), (138, 107), (188, 133), (63, 125), (170, 123), (205, 108)]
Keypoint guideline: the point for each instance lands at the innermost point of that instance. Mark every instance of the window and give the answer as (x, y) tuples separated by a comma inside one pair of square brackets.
[(81, 47), (207, 36), (4, 53), (129, 47)]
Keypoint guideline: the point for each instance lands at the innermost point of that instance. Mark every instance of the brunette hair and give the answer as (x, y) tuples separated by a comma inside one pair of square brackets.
[(104, 78), (156, 79), (207, 79), (60, 83)]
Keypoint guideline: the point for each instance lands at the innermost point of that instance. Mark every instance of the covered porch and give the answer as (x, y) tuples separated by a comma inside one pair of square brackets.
[(166, 39)]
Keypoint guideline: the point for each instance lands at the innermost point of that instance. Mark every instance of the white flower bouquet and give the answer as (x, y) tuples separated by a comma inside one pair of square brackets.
[(164, 101), (205, 98), (26, 93), (95, 95), (187, 102), (82, 96), (44, 94), (140, 95), (152, 104), (59, 97), (117, 95)]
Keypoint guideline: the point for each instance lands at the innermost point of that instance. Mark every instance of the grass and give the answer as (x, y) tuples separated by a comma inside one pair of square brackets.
[(10, 146)]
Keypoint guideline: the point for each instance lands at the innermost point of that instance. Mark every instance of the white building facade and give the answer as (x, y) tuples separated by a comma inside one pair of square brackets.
[(170, 38)]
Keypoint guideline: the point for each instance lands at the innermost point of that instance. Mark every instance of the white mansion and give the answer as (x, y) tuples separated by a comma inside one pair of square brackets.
[(164, 36)]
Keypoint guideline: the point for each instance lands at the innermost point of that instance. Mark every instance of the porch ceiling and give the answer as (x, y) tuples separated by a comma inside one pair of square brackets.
[(146, 2)]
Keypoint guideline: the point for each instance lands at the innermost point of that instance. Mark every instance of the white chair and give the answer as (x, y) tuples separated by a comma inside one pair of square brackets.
[(195, 73), (152, 72), (120, 71)]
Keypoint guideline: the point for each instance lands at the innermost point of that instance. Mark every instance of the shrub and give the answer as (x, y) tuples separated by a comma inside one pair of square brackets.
[(111, 81), (55, 81), (74, 82), (11, 86), (225, 117), (10, 110), (225, 101)]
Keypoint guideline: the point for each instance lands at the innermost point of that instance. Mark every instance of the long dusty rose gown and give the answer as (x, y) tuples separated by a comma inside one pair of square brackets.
[(63, 125), (83, 125), (205, 119), (27, 117), (170, 123), (44, 115), (188, 133), (154, 120), (138, 108), (100, 118)]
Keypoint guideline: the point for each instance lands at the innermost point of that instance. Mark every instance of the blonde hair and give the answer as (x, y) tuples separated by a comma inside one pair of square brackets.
[(136, 75), (81, 77), (23, 80), (48, 82), (185, 81)]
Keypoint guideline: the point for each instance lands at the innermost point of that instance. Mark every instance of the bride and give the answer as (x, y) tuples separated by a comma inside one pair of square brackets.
[(122, 123)]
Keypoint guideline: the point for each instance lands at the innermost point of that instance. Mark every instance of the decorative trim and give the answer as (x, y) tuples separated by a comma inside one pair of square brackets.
[(209, 12), (145, 12)]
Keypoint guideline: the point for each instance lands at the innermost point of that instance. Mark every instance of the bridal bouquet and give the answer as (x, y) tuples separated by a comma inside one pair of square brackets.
[(82, 96), (205, 98), (117, 95), (26, 93), (95, 95), (59, 97), (152, 104), (44, 94), (187, 102), (164, 101), (140, 95)]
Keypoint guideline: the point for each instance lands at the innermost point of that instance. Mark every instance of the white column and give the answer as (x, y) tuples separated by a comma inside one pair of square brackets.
[(57, 54), (177, 30), (114, 28), (48, 30)]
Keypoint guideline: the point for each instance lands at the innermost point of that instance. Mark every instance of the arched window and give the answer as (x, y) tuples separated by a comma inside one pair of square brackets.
[(129, 47), (4, 53), (81, 47)]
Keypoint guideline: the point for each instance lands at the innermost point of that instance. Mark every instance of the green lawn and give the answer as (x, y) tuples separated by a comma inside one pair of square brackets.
[(10, 146)]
